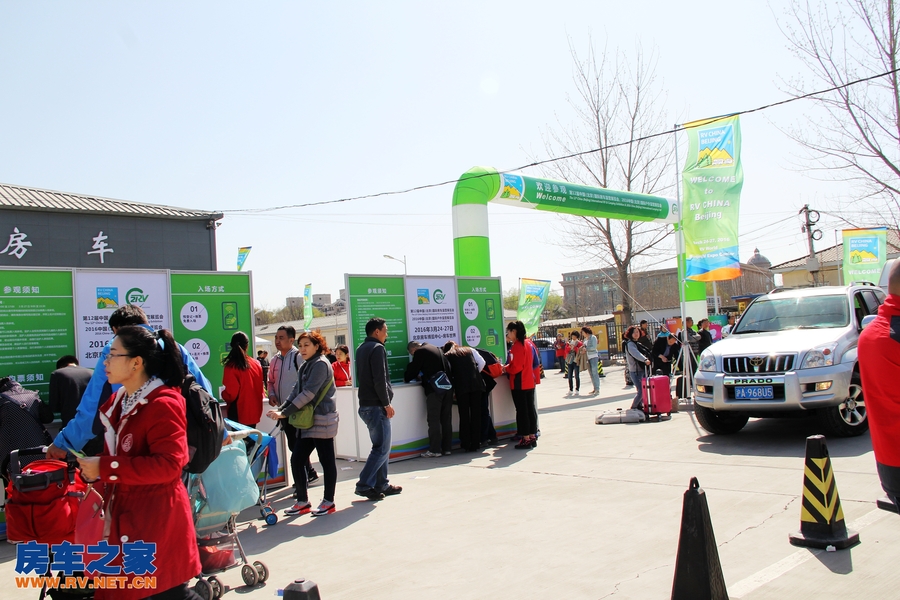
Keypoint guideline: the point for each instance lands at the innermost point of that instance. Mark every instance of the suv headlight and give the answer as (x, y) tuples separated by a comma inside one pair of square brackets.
[(707, 361), (820, 356)]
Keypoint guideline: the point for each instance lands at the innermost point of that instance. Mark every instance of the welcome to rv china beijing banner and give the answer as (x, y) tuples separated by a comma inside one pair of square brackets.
[(712, 180), (532, 300), (865, 252)]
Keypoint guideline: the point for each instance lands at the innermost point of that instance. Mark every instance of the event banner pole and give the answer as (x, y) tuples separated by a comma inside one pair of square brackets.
[(712, 180), (865, 252), (307, 306), (533, 295)]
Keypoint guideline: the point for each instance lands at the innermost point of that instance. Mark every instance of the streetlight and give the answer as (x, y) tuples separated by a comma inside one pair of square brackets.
[(398, 260)]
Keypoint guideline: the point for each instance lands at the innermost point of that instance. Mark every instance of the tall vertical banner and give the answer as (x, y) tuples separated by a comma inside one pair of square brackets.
[(307, 306), (242, 256), (533, 295), (481, 313), (207, 309), (865, 252), (37, 325), (432, 310), (98, 293), (383, 297), (712, 181)]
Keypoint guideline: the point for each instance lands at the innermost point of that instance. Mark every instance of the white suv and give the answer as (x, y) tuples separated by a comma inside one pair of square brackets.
[(792, 352)]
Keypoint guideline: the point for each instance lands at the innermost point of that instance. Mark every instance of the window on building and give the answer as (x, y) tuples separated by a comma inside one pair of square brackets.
[(340, 339)]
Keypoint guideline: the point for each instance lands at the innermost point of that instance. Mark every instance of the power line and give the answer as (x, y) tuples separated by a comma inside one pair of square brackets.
[(566, 157)]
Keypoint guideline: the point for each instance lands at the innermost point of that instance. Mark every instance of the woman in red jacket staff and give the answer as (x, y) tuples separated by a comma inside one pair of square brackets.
[(243, 383), (342, 366), (519, 368), (145, 452)]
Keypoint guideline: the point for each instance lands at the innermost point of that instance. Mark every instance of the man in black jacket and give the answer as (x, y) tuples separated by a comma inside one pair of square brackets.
[(428, 360), (706, 339), (375, 395)]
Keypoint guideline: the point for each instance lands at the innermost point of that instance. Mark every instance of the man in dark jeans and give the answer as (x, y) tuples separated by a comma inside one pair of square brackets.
[(429, 360), (375, 395)]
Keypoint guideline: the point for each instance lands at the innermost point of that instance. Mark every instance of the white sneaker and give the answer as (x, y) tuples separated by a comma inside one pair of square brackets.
[(325, 508), (430, 454), (298, 509)]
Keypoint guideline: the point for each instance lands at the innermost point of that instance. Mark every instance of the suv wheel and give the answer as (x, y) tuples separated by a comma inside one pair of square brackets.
[(848, 418), (721, 423)]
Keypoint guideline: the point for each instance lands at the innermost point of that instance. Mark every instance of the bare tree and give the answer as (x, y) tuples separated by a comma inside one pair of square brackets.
[(856, 135), (617, 101)]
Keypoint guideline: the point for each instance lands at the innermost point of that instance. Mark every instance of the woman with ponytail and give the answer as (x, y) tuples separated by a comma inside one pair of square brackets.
[(139, 471), (243, 383)]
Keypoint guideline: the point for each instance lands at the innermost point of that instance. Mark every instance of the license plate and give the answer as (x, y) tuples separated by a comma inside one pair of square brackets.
[(754, 392)]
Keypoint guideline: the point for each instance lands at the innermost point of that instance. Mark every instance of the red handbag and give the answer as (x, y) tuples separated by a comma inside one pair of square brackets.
[(89, 521)]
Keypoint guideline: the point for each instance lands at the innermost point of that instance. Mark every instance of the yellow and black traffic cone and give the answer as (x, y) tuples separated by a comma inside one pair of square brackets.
[(821, 517), (698, 573)]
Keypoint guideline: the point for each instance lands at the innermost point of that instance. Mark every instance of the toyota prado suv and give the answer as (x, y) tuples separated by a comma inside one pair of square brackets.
[(792, 352)]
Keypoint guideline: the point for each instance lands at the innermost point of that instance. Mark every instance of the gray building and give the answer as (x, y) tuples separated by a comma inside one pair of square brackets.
[(42, 228)]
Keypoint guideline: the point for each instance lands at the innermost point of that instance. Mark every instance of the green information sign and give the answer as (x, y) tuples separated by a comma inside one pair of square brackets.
[(37, 325), (207, 309), (380, 297), (481, 313)]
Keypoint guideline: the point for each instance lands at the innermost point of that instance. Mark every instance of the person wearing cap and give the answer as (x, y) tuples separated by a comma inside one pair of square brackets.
[(878, 352)]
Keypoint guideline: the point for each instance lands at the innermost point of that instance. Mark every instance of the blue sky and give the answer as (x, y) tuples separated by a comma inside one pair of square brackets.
[(226, 106)]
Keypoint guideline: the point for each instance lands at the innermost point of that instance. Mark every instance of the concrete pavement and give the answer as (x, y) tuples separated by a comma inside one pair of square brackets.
[(593, 512)]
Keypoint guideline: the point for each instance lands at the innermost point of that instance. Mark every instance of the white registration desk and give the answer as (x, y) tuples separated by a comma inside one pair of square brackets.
[(409, 428)]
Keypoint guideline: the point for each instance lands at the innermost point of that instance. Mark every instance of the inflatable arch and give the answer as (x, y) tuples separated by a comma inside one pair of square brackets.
[(480, 185)]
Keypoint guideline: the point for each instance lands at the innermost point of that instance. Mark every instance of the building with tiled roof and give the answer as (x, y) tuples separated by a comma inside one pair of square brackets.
[(45, 228)]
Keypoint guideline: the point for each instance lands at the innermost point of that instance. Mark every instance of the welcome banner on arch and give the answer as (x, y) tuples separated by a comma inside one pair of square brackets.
[(712, 181)]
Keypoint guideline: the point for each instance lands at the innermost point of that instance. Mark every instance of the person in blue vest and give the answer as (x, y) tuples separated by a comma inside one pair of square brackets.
[(80, 430)]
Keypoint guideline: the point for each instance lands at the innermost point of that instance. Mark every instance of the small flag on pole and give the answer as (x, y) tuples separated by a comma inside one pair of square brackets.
[(307, 306), (242, 256)]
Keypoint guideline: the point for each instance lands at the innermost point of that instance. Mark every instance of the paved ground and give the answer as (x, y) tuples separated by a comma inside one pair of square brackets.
[(593, 512)]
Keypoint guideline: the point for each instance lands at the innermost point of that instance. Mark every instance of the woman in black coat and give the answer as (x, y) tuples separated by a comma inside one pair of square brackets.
[(465, 369)]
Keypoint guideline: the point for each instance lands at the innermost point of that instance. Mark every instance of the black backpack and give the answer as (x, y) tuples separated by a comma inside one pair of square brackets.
[(205, 426)]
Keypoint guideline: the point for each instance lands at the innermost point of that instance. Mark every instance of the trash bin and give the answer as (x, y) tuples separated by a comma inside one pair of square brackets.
[(548, 358)]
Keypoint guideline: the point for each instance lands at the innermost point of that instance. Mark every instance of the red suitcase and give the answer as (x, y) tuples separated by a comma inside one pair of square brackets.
[(657, 396)]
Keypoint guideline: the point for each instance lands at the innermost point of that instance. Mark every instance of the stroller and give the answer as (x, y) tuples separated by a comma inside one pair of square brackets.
[(217, 496), (263, 463)]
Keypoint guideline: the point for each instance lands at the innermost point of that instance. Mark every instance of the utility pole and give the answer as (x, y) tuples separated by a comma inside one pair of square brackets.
[(811, 218)]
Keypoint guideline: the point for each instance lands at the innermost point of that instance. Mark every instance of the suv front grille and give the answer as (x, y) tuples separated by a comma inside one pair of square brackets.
[(773, 363)]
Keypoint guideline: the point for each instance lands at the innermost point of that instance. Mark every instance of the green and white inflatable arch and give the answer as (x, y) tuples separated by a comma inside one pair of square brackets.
[(480, 185)]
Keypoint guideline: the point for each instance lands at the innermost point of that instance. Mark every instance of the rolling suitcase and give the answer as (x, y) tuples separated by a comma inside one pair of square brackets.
[(657, 396)]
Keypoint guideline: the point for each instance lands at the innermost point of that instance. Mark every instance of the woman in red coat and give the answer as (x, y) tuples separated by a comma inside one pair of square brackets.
[(520, 369), (342, 366), (141, 465), (243, 383)]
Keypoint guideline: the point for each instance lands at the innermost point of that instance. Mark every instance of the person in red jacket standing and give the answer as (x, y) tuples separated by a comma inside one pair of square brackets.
[(341, 366), (243, 383), (145, 451), (520, 369), (879, 365)]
